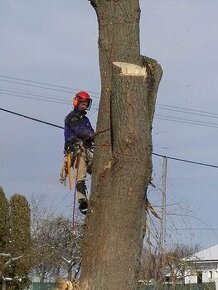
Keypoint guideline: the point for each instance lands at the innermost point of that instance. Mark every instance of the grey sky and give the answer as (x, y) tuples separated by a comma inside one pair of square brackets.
[(56, 42)]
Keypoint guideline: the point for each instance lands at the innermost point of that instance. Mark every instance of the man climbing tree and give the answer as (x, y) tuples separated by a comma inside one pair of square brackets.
[(122, 159), (79, 136)]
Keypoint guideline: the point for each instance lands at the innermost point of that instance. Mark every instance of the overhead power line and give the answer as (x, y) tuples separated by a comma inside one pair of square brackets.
[(36, 86), (30, 118), (194, 229), (60, 100), (188, 110), (49, 86), (34, 97), (186, 121), (187, 161), (96, 94), (155, 154), (31, 92), (35, 82)]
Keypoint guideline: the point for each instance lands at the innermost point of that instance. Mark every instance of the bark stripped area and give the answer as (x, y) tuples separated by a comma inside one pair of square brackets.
[(122, 159)]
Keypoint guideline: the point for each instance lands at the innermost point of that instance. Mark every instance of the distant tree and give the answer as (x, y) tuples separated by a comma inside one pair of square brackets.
[(43, 262), (172, 263), (175, 261), (4, 221), (66, 241), (4, 235), (40, 211), (20, 240), (15, 241), (56, 244), (180, 251)]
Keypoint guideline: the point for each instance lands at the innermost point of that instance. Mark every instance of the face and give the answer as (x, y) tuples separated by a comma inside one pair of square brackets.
[(83, 106)]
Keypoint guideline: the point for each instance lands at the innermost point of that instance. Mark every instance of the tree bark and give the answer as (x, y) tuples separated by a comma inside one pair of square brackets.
[(122, 160)]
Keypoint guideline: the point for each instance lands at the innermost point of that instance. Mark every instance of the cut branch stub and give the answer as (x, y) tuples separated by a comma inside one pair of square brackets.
[(130, 69), (131, 124)]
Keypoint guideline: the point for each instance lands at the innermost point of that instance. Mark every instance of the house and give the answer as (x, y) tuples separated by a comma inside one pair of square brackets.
[(202, 267)]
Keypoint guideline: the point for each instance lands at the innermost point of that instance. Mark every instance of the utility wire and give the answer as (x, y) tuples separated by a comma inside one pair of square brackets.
[(96, 94), (21, 94), (159, 105), (185, 160), (31, 92), (30, 118), (35, 82), (33, 96), (186, 121), (208, 115), (41, 98), (36, 97), (36, 86), (188, 109), (155, 154), (49, 86), (193, 229)]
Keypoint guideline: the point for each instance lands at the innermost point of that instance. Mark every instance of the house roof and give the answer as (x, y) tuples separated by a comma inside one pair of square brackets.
[(210, 254)]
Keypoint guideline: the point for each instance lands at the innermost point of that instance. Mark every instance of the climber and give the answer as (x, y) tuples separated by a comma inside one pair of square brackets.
[(79, 138)]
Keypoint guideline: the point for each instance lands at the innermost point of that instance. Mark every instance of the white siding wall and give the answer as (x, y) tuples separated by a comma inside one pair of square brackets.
[(190, 279), (209, 273)]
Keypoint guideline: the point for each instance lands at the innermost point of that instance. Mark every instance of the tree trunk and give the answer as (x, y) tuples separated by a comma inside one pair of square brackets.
[(4, 285), (122, 160)]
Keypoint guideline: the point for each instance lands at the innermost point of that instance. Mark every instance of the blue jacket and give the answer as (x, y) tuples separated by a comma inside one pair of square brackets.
[(78, 128)]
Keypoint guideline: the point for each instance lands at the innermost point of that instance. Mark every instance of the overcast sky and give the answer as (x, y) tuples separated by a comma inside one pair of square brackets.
[(55, 42)]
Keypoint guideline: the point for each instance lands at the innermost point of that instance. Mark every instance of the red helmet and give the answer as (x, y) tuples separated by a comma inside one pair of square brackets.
[(82, 97)]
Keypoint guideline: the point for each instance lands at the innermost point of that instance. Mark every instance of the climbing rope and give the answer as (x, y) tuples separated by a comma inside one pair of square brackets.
[(66, 172), (77, 163)]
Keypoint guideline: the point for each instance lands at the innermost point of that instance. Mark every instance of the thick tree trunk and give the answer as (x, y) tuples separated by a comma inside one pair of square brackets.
[(122, 161)]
